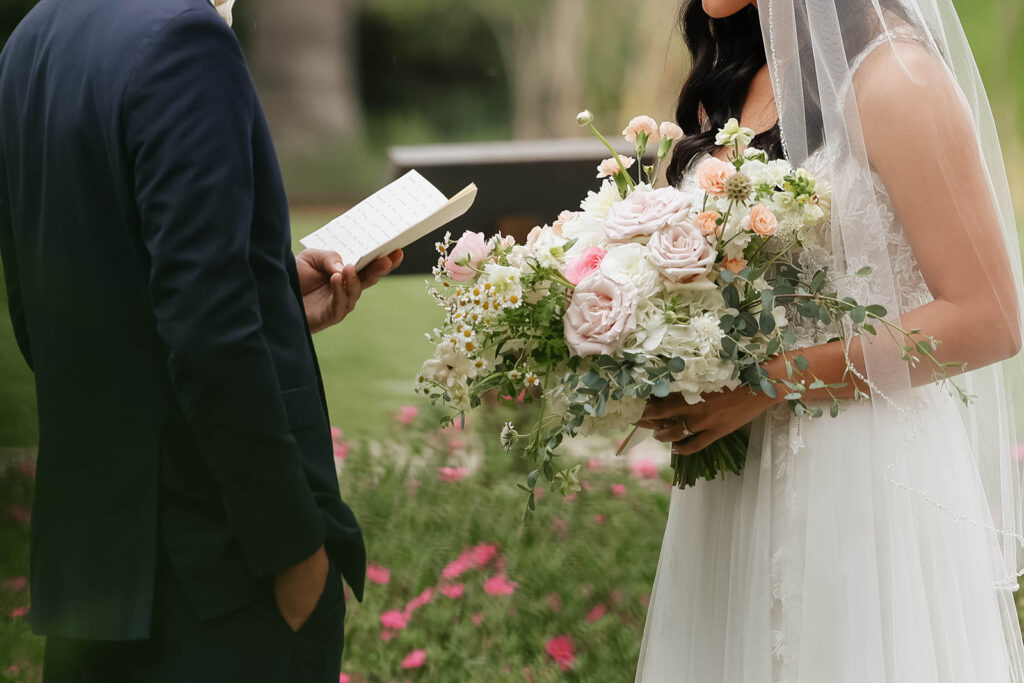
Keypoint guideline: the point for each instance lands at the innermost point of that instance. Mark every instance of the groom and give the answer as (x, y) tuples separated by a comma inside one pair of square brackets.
[(187, 522)]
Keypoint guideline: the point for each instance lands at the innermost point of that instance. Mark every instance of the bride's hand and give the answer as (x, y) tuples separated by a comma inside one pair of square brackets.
[(330, 289), (692, 428)]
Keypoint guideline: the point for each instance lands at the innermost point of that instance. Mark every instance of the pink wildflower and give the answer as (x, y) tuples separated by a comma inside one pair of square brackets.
[(419, 601), (594, 463), (451, 474), (335, 433), (619, 490), (477, 618), (16, 584), (554, 602), (20, 514), (18, 612), (407, 414), (386, 635), (560, 649), (415, 659), (456, 569), (499, 585), (454, 591), (570, 498), (599, 519), (596, 613), (377, 574), (341, 450), (344, 678), (482, 554), (644, 469), (559, 526), (394, 620)]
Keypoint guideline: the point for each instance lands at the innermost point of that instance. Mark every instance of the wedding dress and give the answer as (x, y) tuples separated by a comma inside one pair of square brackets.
[(860, 549)]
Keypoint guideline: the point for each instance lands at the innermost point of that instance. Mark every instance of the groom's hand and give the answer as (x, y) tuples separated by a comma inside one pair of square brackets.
[(330, 289), (298, 589)]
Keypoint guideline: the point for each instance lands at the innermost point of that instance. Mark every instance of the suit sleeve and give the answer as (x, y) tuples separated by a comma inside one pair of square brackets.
[(11, 277), (188, 117)]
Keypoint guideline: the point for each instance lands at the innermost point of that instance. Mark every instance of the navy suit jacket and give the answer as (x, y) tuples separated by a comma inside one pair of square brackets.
[(146, 248)]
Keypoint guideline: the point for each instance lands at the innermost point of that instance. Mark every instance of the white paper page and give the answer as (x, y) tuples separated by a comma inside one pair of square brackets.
[(379, 219)]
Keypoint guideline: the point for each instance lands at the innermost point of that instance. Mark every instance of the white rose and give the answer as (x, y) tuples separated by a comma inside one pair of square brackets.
[(629, 264)]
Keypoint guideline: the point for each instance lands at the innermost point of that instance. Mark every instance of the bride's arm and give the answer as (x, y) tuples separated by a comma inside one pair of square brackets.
[(922, 142)]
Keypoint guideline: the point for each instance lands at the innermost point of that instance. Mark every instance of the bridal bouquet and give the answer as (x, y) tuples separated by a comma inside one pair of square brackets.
[(642, 292)]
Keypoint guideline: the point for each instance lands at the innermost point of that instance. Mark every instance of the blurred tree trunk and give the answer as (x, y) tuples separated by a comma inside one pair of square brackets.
[(542, 53), (656, 73), (303, 58)]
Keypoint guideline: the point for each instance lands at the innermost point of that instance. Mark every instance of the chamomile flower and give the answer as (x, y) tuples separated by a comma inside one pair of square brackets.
[(509, 436), (515, 375), (531, 379)]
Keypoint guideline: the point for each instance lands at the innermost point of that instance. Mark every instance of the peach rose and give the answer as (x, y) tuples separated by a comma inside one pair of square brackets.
[(708, 222), (712, 174), (670, 131), (644, 211), (563, 218), (610, 167), (600, 316), (585, 264), (642, 124), (734, 264), (467, 254), (762, 221), (681, 253)]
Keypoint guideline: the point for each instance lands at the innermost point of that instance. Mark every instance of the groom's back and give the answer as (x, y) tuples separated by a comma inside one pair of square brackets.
[(79, 277)]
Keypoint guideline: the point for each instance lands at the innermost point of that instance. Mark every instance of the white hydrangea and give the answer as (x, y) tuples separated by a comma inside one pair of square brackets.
[(545, 245)]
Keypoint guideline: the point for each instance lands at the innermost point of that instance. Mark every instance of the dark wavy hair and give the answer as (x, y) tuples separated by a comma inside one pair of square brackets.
[(726, 54)]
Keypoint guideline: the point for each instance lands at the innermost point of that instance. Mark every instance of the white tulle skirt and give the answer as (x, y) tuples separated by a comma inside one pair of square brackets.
[(813, 566)]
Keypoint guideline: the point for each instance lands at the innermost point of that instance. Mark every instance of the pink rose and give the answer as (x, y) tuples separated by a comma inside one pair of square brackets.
[(584, 264), (642, 124), (467, 254), (644, 211), (762, 221), (670, 131), (600, 316), (712, 174), (610, 167), (681, 252)]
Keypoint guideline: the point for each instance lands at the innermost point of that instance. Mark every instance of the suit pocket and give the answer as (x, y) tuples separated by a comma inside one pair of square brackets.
[(303, 407)]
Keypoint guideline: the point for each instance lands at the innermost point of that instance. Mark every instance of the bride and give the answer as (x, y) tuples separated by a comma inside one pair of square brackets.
[(882, 546)]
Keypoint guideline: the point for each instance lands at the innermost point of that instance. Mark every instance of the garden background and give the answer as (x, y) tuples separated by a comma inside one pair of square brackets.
[(460, 590)]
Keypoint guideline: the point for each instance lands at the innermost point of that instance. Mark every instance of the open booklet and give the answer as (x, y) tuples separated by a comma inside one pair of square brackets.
[(392, 218)]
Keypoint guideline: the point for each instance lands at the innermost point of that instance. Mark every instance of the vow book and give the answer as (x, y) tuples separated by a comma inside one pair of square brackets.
[(392, 218)]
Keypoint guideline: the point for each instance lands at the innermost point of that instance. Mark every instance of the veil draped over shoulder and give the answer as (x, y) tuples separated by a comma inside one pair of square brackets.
[(829, 60)]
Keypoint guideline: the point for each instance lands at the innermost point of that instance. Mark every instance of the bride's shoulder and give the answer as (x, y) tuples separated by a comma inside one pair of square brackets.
[(901, 68)]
